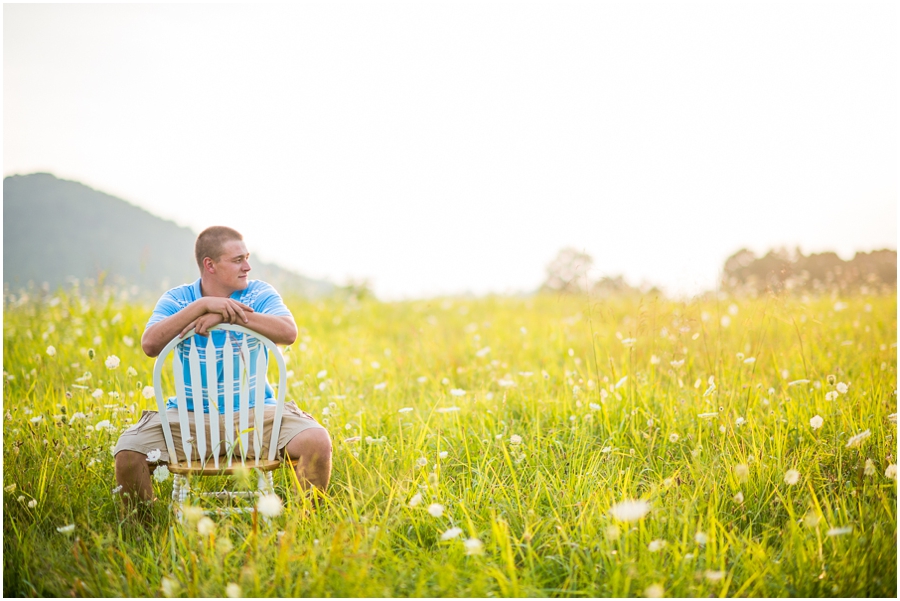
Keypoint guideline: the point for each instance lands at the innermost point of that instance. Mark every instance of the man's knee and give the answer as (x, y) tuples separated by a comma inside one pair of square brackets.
[(128, 462), (313, 444)]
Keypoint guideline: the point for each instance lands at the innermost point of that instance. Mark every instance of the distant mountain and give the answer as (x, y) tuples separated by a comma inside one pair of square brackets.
[(55, 230)]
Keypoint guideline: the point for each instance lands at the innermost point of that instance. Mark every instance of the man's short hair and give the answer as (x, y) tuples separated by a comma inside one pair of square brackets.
[(211, 241)]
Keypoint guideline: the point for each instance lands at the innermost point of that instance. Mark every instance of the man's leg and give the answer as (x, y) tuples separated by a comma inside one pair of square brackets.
[(312, 449), (133, 475)]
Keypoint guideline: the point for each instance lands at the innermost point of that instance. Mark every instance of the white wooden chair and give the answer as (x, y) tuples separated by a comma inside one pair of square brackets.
[(244, 447)]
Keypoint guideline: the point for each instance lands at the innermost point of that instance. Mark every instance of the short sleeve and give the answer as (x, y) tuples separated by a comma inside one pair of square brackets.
[(167, 305), (269, 302)]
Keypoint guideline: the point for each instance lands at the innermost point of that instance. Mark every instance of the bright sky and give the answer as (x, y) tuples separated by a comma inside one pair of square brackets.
[(438, 148)]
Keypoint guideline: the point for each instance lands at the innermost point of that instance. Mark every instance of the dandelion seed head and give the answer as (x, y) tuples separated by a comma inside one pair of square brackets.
[(700, 538), (457, 392), (97, 393), (436, 510), (629, 511), (51, 350), (816, 422), (416, 500), (840, 531), (233, 590), (891, 471), (842, 387), (269, 505), (451, 533), (713, 575), (473, 546), (655, 591), (791, 477), (656, 545), (742, 471), (856, 440), (32, 503), (169, 586), (869, 469), (154, 455), (112, 362), (515, 439), (206, 526)]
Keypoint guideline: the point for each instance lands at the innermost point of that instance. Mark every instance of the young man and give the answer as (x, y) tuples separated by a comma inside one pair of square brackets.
[(223, 294)]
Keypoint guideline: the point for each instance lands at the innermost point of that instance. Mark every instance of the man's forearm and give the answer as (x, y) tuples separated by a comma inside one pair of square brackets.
[(280, 329), (157, 336)]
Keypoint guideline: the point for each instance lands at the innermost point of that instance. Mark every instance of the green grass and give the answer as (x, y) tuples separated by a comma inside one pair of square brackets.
[(540, 507)]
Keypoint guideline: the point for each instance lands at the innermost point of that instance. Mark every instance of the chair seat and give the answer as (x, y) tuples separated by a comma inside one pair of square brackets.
[(209, 469)]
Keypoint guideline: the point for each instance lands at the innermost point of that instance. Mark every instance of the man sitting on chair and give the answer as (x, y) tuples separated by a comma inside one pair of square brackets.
[(223, 294)]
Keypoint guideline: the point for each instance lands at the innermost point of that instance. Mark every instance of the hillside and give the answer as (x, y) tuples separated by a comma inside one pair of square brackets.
[(55, 230)]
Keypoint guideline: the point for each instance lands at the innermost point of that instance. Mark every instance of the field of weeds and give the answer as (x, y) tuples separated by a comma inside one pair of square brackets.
[(494, 447)]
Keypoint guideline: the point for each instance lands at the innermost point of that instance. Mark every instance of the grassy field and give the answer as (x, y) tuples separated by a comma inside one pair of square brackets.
[(732, 447)]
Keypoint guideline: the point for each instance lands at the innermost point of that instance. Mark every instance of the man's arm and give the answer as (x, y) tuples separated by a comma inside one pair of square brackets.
[(280, 329), (157, 336)]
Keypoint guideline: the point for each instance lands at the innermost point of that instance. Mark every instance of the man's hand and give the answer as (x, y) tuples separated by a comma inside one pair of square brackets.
[(202, 324), (230, 310)]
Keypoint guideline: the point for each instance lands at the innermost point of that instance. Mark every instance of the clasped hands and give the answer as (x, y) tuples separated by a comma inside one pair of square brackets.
[(218, 310)]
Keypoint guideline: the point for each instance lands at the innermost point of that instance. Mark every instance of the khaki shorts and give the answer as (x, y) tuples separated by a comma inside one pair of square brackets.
[(147, 435)]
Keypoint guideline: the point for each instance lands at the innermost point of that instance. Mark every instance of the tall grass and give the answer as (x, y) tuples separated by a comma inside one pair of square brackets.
[(526, 419)]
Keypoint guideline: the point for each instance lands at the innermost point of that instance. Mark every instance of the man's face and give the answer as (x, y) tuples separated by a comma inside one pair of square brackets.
[(233, 265)]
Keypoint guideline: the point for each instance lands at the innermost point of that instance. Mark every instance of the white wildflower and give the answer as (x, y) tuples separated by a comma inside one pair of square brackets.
[(842, 387), (457, 392), (621, 383), (416, 500), (869, 469), (233, 590), (68, 529), (855, 441), (742, 471), (32, 503), (269, 505), (405, 410), (830, 396), (515, 439), (161, 473), (739, 497), (148, 392), (816, 422), (791, 477), (322, 374), (740, 421), (655, 591), (97, 393), (714, 575), (112, 362), (436, 510), (473, 546), (840, 531), (51, 350), (483, 352), (700, 538), (131, 372), (673, 437), (656, 545), (37, 419), (381, 386), (169, 586), (206, 526), (797, 382), (629, 511), (749, 360), (891, 471), (677, 363), (451, 533), (154, 455)]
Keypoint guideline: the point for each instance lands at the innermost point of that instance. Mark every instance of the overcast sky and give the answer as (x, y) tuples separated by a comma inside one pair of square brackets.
[(437, 148)]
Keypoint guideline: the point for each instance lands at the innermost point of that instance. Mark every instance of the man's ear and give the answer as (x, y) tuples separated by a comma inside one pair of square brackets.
[(209, 265)]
